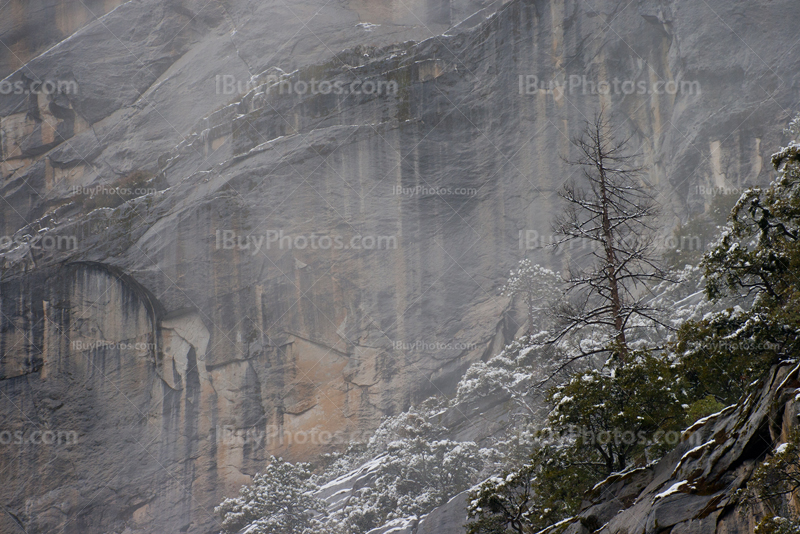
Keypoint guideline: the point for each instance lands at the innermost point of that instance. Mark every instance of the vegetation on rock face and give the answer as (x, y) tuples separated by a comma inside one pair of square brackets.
[(279, 501), (623, 407), (778, 476), (721, 355), (775, 482), (613, 414), (602, 421), (620, 417), (536, 286), (712, 362), (413, 473), (755, 260), (538, 494), (777, 525)]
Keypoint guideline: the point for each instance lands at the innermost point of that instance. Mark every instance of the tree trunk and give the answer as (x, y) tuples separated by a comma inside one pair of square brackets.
[(611, 260)]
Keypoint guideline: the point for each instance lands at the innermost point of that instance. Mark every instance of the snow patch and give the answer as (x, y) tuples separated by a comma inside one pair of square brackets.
[(367, 26), (678, 487)]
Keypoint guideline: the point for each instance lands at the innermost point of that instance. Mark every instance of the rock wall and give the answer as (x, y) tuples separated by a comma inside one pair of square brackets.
[(258, 345), (29, 28)]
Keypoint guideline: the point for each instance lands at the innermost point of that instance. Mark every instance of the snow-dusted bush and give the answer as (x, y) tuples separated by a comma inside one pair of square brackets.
[(279, 501), (414, 477), (509, 372), (415, 469), (537, 287)]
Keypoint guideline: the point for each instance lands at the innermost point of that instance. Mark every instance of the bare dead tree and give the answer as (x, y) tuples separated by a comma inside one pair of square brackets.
[(613, 214)]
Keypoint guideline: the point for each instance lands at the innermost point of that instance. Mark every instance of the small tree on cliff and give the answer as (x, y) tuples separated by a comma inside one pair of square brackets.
[(756, 261), (280, 501), (613, 216), (537, 286)]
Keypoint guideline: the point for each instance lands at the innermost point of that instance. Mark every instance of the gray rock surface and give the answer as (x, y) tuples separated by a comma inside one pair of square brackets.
[(446, 519), (28, 29), (293, 344)]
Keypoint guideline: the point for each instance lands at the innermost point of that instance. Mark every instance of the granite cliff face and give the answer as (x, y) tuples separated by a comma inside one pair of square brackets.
[(186, 326)]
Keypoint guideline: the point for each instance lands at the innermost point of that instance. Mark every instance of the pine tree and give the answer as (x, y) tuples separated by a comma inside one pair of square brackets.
[(614, 215), (537, 286)]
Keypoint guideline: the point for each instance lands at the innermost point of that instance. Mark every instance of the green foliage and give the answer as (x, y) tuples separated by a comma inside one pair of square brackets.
[(278, 502), (702, 408), (777, 525), (777, 479), (545, 490), (759, 251), (722, 354), (602, 421), (775, 486), (619, 414), (757, 255), (611, 419)]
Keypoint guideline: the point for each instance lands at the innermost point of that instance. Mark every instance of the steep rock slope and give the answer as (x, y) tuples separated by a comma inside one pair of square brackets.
[(693, 488), (285, 343)]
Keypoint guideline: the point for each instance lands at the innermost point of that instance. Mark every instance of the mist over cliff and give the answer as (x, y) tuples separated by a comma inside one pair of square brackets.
[(293, 218)]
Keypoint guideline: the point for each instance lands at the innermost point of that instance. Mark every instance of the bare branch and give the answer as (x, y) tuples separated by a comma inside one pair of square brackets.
[(615, 213)]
